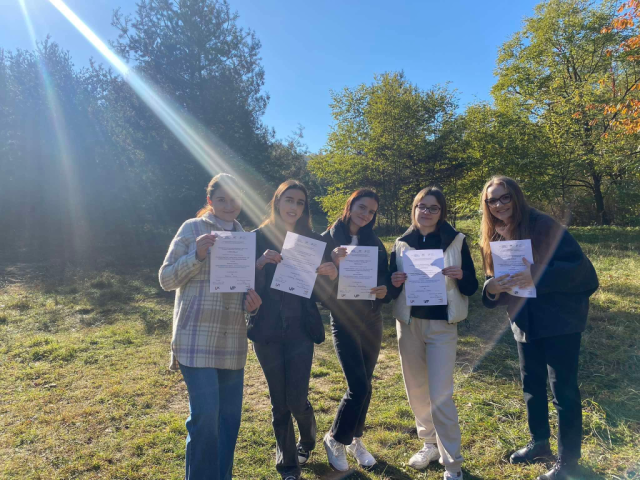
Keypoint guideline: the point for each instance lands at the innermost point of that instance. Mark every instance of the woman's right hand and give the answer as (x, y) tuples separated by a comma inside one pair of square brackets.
[(203, 243), (338, 254), (499, 284), (270, 256), (398, 278)]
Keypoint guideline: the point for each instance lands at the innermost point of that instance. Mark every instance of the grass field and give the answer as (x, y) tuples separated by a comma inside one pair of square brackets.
[(85, 391)]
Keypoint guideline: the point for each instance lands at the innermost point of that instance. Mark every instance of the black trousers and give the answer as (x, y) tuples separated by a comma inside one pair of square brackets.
[(555, 358), (357, 342), (287, 368)]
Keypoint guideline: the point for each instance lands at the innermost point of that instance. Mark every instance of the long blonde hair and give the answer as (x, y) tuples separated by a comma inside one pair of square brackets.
[(518, 228)]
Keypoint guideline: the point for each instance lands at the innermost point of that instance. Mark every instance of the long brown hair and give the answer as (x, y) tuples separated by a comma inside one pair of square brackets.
[(222, 180), (303, 224), (439, 196), (519, 226), (353, 198)]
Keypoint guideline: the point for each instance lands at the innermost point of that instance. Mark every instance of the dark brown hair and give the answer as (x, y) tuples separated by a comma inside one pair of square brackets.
[(519, 226), (353, 198), (303, 224), (439, 196), (222, 180)]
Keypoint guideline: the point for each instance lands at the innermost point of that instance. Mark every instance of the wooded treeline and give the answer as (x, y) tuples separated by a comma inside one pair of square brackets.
[(86, 164)]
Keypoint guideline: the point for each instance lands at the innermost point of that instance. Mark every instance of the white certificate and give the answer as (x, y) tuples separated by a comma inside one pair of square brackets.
[(358, 273), (425, 283), (233, 262), (296, 273), (507, 259)]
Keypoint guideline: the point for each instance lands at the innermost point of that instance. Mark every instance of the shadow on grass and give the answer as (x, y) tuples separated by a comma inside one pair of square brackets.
[(325, 472)]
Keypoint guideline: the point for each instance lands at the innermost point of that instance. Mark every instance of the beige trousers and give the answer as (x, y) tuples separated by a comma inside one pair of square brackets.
[(428, 356)]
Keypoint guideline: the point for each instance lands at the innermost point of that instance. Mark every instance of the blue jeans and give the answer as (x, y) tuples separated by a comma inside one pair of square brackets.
[(215, 406)]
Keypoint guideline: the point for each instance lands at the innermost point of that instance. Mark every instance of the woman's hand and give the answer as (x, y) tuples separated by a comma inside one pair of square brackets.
[(523, 279), (338, 254), (269, 256), (499, 284), (252, 301), (328, 269), (452, 272), (398, 278), (203, 243), (380, 291)]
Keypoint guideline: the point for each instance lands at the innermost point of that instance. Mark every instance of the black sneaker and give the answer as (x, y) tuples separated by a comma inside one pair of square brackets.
[(303, 455), (561, 471), (533, 452)]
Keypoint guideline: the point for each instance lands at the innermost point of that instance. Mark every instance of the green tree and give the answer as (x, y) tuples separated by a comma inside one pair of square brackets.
[(195, 52), (391, 136), (551, 71)]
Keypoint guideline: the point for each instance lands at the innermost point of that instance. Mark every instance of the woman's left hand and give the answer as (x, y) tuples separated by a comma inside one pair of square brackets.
[(380, 291), (252, 301), (523, 279), (452, 272), (328, 269)]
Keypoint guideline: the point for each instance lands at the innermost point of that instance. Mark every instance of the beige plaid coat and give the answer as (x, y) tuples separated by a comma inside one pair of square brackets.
[(209, 329)]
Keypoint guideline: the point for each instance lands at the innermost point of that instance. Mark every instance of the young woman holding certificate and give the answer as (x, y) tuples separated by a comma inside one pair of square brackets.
[(428, 334), (286, 327), (547, 328), (357, 329), (209, 340)]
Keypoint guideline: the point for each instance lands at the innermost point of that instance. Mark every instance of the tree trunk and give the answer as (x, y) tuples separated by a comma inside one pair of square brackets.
[(603, 217)]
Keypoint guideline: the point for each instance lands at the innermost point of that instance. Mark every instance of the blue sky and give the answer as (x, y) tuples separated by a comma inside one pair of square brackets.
[(310, 48)]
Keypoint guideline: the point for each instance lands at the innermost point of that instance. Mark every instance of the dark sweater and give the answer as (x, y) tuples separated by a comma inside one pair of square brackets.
[(441, 238), (564, 279), (339, 235), (282, 315)]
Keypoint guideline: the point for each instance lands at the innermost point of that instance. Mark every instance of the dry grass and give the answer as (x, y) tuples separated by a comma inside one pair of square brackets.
[(86, 392)]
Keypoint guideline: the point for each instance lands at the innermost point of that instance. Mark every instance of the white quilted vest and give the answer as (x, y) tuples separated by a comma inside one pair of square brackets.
[(457, 304)]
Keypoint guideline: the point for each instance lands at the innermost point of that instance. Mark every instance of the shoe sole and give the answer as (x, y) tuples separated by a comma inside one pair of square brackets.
[(546, 459), (425, 465)]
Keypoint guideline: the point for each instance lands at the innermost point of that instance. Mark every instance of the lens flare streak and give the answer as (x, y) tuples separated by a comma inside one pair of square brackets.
[(183, 126)]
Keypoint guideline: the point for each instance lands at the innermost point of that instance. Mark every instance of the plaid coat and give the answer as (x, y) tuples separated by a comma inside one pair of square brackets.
[(209, 329)]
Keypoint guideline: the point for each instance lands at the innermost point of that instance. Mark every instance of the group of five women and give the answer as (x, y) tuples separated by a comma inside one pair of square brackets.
[(210, 330)]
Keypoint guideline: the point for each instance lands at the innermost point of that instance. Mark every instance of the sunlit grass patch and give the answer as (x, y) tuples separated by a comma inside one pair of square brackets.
[(86, 392)]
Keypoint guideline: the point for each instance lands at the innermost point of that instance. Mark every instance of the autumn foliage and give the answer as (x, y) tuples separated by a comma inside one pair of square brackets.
[(626, 112)]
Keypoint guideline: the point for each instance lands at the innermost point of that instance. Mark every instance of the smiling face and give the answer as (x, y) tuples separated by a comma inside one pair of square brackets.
[(363, 211), (502, 211), (291, 206), (225, 205), (423, 215)]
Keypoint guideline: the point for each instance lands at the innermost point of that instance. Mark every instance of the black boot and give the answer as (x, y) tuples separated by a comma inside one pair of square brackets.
[(562, 470), (533, 452)]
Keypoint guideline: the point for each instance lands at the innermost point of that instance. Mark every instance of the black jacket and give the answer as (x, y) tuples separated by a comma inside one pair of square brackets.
[(468, 285), (343, 310), (270, 324), (564, 279)]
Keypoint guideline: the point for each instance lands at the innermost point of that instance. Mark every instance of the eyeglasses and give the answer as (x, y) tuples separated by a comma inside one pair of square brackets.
[(493, 202), (434, 209)]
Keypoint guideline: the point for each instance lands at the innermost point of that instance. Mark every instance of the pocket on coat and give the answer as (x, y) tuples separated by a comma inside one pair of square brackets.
[(187, 312)]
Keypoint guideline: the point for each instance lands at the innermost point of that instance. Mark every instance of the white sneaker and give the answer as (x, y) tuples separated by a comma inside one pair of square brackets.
[(427, 454), (336, 453), (358, 450), (452, 476)]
